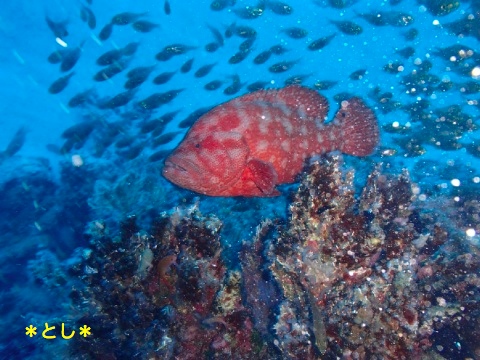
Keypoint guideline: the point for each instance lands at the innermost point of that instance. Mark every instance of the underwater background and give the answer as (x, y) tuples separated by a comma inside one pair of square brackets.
[(371, 257)]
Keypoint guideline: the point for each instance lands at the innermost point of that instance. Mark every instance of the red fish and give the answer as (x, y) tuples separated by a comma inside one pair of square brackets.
[(251, 144)]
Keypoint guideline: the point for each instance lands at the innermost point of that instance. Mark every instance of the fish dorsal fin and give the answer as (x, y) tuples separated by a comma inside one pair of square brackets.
[(264, 176), (307, 102), (358, 127)]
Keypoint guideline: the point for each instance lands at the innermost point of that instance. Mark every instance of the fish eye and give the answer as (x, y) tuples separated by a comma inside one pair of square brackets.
[(197, 146), (343, 114)]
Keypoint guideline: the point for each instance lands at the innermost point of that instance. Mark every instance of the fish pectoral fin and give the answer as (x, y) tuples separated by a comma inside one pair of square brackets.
[(264, 176)]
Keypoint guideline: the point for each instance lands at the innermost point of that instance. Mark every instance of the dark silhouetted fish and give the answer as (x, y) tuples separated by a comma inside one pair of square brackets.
[(126, 18), (164, 138), (441, 7), (465, 70), (118, 100), (234, 87), (81, 98), (212, 47), (80, 131), (392, 18), (458, 51), (57, 56), (141, 76), (59, 28), (445, 86), (279, 7), (166, 7), (247, 44), (229, 31), (337, 4), (133, 152), (358, 75), (110, 57), (84, 13), (194, 116), (110, 71), (258, 85), (163, 121), (384, 100), (466, 26), (393, 67), (417, 110), (217, 35), (171, 50), (474, 148), (470, 87), (262, 57), (296, 79), (204, 70), (178, 49), (187, 66), (398, 19), (295, 32), (278, 49), (325, 84), (144, 26), (250, 12), (169, 116), (125, 141), (151, 125), (348, 27), (70, 58), (238, 57), (156, 100), (159, 155), (60, 84), (163, 78), (15, 144), (411, 34), (282, 66), (140, 72), (374, 18), (130, 48), (106, 32), (320, 43), (88, 16), (244, 31), (213, 85), (406, 52), (219, 5)]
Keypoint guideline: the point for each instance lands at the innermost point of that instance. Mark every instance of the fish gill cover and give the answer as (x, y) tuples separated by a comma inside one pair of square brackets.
[(323, 256)]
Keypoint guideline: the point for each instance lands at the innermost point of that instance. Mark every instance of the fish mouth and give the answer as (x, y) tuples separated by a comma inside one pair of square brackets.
[(180, 165), (170, 165)]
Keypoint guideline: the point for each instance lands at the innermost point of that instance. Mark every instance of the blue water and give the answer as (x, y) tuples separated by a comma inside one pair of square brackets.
[(47, 201)]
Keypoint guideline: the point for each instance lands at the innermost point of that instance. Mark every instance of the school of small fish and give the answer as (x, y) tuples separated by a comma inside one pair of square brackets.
[(138, 128)]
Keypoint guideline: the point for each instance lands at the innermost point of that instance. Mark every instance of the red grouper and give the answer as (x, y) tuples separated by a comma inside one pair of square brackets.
[(249, 145)]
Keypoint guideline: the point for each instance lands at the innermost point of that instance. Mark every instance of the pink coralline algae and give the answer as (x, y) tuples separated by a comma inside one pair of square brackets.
[(372, 276)]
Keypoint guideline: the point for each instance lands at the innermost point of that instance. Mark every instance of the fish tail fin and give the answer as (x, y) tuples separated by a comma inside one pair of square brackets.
[(358, 128)]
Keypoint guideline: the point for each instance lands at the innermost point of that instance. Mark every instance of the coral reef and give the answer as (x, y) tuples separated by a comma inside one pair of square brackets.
[(353, 277), (161, 294), (125, 191)]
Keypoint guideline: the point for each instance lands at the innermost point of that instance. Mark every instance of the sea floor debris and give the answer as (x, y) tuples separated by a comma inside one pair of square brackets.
[(372, 276)]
